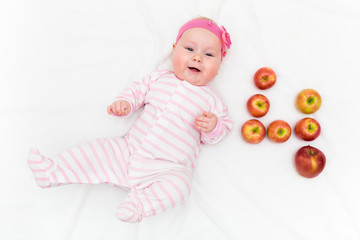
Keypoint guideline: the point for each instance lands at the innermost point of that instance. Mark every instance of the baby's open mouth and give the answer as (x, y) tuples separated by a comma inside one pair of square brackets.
[(194, 69)]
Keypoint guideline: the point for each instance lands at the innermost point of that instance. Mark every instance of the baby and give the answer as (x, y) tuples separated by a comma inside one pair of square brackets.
[(154, 162)]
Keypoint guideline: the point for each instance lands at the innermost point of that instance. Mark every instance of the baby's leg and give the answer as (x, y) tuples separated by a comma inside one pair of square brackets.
[(101, 161), (163, 193)]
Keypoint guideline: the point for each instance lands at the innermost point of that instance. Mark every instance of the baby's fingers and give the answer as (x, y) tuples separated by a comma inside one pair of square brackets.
[(202, 124), (209, 114), (124, 108), (118, 108), (114, 108), (109, 110)]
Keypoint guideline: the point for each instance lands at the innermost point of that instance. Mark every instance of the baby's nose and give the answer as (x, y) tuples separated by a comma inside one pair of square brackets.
[(197, 58)]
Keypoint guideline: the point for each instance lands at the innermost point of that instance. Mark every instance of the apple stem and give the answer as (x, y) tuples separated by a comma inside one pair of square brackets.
[(311, 152)]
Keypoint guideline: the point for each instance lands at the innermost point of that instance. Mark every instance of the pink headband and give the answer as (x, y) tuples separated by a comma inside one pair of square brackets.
[(221, 33)]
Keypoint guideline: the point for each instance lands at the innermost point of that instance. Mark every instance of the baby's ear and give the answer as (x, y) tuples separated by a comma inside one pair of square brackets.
[(174, 45)]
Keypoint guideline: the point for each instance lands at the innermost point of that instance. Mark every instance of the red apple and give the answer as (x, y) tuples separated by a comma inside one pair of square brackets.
[(258, 105), (264, 78), (279, 131), (253, 131), (307, 129), (309, 161), (308, 101)]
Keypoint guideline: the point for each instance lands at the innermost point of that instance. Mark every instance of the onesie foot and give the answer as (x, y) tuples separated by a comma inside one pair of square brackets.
[(129, 212), (40, 167)]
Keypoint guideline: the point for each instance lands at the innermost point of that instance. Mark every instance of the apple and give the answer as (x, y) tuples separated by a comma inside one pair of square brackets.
[(258, 105), (308, 101), (307, 129), (264, 78), (279, 131), (253, 131), (309, 161)]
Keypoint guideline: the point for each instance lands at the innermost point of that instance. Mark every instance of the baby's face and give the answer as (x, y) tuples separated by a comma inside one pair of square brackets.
[(196, 57)]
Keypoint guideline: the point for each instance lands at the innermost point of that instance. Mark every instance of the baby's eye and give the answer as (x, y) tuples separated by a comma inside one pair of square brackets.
[(189, 49), (209, 54)]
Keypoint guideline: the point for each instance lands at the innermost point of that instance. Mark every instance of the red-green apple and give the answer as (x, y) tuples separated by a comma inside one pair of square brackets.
[(279, 131), (253, 131), (264, 78), (309, 161), (308, 101), (258, 105), (307, 129)]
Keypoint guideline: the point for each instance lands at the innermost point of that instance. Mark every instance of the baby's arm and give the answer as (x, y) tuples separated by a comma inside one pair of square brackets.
[(133, 97), (216, 130), (119, 108), (215, 124)]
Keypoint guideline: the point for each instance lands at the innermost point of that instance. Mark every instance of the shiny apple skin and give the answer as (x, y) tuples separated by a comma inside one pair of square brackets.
[(308, 101), (307, 129), (253, 131), (309, 161), (258, 105), (264, 78), (279, 131)]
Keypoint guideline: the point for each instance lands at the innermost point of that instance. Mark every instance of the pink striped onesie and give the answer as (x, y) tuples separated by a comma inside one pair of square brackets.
[(155, 160)]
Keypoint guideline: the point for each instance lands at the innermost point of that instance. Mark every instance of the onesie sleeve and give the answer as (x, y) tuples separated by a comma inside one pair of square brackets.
[(135, 94), (224, 124)]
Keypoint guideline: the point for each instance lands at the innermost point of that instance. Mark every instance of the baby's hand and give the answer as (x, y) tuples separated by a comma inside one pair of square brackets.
[(119, 108), (207, 122)]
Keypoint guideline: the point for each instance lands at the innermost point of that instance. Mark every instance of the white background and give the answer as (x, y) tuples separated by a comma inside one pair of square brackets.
[(63, 62)]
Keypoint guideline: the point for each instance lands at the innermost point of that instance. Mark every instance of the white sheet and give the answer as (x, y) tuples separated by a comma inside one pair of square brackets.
[(62, 62)]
